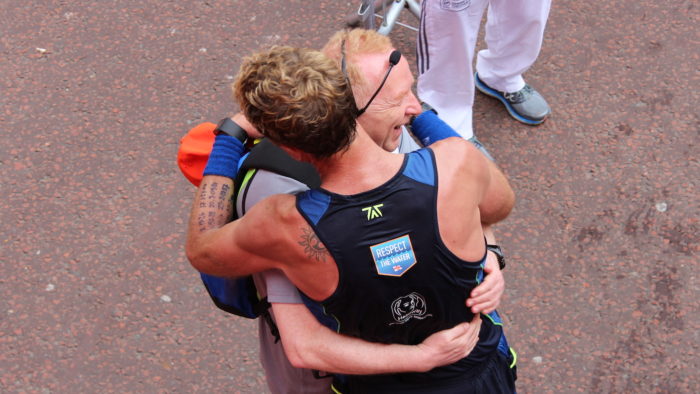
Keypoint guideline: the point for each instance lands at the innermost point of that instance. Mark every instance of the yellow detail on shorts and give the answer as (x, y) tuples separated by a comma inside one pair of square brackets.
[(515, 357)]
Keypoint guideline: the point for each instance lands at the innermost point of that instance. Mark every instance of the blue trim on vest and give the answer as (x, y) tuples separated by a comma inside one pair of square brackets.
[(503, 346), (420, 167), (314, 204)]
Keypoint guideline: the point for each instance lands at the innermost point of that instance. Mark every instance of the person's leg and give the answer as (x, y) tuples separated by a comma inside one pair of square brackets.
[(445, 49), (514, 32)]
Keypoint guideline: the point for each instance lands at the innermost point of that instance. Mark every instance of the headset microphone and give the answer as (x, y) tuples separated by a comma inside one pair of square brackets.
[(394, 58)]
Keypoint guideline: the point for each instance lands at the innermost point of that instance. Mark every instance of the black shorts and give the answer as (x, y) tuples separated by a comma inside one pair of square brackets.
[(496, 375)]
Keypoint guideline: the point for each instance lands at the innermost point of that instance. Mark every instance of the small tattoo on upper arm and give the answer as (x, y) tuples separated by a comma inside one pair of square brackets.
[(313, 247)]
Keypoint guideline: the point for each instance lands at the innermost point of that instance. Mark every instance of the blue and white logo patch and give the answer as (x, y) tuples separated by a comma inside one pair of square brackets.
[(394, 257)]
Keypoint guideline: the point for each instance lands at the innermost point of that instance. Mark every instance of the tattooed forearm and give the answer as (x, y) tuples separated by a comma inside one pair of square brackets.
[(222, 198), (215, 206), (212, 195), (313, 247), (203, 196), (201, 221)]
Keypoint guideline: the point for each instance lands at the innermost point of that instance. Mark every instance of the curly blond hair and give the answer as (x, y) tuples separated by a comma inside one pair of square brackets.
[(357, 42), (298, 98)]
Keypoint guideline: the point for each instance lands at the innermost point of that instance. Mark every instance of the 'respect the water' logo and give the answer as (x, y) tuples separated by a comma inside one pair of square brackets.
[(394, 257)]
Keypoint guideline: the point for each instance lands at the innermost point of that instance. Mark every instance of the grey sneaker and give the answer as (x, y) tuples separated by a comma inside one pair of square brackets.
[(526, 105)]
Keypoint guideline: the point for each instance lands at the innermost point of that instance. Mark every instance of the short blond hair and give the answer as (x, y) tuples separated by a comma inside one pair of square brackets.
[(355, 43), (298, 98)]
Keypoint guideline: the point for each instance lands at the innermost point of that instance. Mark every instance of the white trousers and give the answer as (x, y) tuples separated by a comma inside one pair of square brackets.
[(445, 48)]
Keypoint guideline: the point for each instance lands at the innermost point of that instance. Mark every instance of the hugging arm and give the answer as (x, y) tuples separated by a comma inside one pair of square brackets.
[(499, 198), (215, 245), (308, 344), (429, 128)]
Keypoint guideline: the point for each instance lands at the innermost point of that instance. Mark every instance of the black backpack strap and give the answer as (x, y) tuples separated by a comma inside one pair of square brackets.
[(267, 156), (265, 314)]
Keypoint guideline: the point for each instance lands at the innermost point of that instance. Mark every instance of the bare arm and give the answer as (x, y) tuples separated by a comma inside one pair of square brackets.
[(308, 344), (215, 245), (498, 199), (487, 295), (230, 249), (211, 210)]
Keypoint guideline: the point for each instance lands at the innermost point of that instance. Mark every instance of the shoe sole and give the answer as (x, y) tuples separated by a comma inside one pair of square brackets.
[(483, 88)]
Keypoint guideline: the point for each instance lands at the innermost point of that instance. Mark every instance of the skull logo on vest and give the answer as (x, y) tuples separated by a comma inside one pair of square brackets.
[(408, 307)]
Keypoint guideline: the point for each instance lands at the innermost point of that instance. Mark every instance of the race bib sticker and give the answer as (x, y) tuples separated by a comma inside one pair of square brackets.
[(455, 5), (394, 257)]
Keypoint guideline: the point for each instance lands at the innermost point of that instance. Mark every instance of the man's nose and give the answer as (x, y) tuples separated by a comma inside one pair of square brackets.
[(413, 107)]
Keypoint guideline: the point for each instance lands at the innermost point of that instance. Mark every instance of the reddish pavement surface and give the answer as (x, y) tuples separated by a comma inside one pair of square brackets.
[(96, 294)]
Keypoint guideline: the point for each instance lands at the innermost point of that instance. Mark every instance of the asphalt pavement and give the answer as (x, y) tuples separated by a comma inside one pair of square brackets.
[(96, 294)]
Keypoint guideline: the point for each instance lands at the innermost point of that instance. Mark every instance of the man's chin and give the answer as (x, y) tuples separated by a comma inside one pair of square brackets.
[(392, 146), (396, 141)]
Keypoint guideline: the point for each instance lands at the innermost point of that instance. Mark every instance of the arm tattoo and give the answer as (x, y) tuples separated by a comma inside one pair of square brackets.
[(215, 206), (313, 247), (222, 198), (203, 196), (212, 195)]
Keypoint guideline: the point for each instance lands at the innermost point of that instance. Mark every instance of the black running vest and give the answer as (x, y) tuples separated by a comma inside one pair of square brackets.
[(398, 282)]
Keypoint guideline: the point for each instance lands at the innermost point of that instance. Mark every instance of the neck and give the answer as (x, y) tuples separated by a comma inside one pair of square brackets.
[(363, 166)]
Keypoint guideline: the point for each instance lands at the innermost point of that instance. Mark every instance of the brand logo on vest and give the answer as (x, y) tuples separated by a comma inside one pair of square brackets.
[(373, 212), (411, 306), (394, 257)]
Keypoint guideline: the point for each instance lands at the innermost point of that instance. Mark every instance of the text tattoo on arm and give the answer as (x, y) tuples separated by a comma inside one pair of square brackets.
[(313, 247), (215, 206)]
